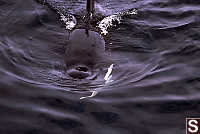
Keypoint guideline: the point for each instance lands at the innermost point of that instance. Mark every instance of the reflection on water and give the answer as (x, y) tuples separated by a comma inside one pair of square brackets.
[(155, 77)]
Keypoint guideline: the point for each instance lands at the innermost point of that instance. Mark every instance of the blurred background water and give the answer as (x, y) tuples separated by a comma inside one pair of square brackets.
[(155, 81)]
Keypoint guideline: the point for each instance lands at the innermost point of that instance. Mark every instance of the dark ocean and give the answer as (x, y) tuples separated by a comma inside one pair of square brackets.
[(155, 79)]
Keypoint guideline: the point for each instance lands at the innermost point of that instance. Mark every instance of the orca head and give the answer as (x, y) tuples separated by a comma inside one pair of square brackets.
[(85, 49)]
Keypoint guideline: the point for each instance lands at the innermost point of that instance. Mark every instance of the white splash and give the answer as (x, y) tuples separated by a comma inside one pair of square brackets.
[(108, 75), (107, 79), (113, 20), (94, 93), (108, 22), (69, 20)]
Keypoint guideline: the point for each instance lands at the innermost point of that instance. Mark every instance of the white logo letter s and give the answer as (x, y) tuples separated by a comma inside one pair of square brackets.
[(193, 124)]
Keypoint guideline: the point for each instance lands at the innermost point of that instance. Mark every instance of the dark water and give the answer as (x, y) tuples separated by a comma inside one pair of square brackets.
[(155, 81)]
